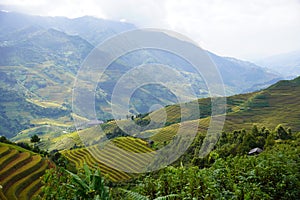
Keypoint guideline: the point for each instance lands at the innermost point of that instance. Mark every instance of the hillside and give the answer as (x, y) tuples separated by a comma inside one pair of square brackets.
[(115, 159), (266, 109), (20, 172), (40, 56), (278, 104), (17, 113)]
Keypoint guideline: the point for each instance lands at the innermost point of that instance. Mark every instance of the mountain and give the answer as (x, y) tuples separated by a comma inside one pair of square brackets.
[(277, 104), (19, 113), (40, 56), (92, 29), (243, 76), (287, 64)]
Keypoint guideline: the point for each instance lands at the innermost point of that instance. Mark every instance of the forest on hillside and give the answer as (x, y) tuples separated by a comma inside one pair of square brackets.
[(230, 171)]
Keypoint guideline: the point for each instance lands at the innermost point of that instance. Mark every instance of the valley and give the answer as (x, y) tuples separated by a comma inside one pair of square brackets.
[(50, 151)]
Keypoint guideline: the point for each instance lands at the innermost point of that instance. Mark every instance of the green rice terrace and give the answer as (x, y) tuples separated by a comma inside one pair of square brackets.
[(94, 107), (20, 172), (112, 154), (266, 119)]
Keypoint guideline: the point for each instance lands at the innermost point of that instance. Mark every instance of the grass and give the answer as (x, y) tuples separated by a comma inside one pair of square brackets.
[(45, 104), (4, 160), (34, 164), (73, 135), (3, 150), (11, 146), (46, 121), (20, 172), (128, 153), (2, 196), (31, 189), (43, 131), (23, 158), (16, 189), (79, 157), (278, 104)]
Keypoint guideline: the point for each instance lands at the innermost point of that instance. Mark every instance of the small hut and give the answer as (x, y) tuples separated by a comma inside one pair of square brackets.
[(255, 151)]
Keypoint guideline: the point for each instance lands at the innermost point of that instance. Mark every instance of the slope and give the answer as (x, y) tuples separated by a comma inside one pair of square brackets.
[(20, 172), (118, 153), (40, 56), (278, 104)]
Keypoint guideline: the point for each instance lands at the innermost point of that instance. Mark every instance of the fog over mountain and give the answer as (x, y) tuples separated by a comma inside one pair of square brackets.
[(287, 64), (40, 57)]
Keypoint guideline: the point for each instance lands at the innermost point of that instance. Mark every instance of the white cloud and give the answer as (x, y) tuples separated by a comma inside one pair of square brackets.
[(243, 29), (246, 29)]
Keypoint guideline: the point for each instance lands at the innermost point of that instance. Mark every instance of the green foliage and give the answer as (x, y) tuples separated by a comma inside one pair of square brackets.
[(270, 141), (3, 139), (89, 185), (254, 131), (61, 161), (274, 174), (136, 196), (55, 182), (63, 184), (281, 133), (35, 138)]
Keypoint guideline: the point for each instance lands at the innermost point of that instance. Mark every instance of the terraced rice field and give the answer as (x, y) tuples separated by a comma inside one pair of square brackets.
[(116, 159), (20, 173), (167, 133)]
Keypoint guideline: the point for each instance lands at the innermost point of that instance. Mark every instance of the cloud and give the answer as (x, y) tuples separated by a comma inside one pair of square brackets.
[(243, 29), (247, 29)]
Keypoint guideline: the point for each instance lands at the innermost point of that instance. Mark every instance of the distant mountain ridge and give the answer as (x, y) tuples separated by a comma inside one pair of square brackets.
[(287, 64), (40, 56), (242, 74), (92, 29)]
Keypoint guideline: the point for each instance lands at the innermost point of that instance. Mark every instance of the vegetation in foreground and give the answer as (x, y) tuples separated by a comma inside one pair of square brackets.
[(226, 173)]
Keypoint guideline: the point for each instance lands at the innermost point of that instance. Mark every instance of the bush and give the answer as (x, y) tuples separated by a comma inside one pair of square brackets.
[(63, 184), (273, 174)]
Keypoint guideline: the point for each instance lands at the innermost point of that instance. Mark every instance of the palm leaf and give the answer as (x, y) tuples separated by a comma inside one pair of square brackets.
[(134, 195)]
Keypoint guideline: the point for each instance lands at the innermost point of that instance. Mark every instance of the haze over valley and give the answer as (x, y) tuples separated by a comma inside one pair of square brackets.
[(144, 100)]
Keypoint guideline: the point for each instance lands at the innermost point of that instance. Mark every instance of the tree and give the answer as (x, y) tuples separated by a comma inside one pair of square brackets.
[(248, 143), (35, 138), (5, 140), (255, 131), (63, 184), (270, 141), (281, 132), (55, 182)]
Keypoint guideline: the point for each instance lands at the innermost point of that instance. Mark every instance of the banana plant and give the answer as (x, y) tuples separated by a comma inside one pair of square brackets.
[(89, 185)]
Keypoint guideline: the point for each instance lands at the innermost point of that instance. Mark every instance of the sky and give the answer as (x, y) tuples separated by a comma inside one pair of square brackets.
[(245, 29)]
